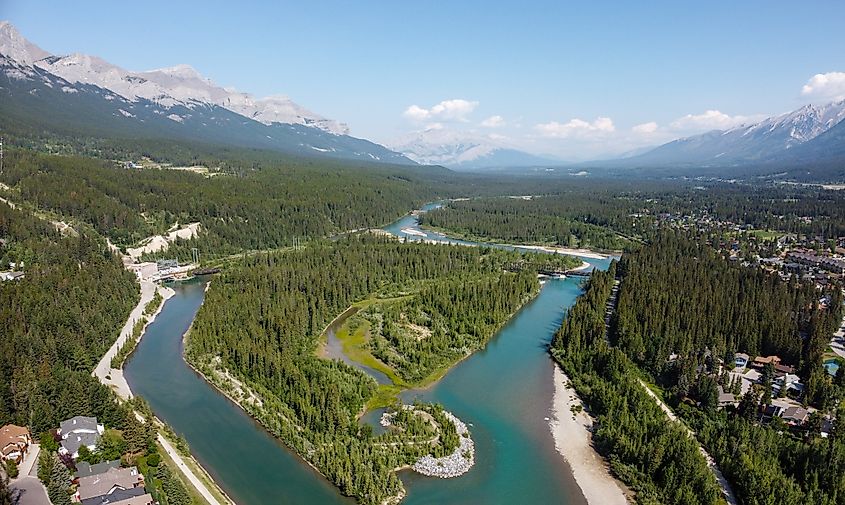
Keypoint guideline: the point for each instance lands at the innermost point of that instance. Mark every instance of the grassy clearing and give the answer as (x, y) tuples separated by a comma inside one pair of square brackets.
[(355, 347)]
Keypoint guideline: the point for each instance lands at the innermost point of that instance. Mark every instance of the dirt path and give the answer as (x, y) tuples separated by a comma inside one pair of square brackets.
[(198, 484), (727, 492)]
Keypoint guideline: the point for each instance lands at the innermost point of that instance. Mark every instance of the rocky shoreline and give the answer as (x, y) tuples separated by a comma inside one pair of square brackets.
[(447, 467)]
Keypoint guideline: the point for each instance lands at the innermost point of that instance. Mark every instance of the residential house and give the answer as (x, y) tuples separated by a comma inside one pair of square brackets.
[(795, 416), (77, 432), (109, 482), (133, 496), (761, 361), (726, 399), (792, 382), (14, 441), (741, 360), (781, 370), (85, 469)]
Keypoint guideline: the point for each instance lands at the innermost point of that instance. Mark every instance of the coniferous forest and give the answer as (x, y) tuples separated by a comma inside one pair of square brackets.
[(683, 309), (57, 323), (262, 321)]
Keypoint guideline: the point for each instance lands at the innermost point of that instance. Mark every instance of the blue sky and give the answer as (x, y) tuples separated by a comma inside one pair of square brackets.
[(575, 79)]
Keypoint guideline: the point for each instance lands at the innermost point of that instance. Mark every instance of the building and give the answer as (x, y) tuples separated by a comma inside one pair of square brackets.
[(834, 265), (167, 266), (108, 483), (85, 469), (14, 442), (761, 361), (143, 271), (792, 382), (726, 399), (740, 360), (795, 416), (134, 496), (77, 432)]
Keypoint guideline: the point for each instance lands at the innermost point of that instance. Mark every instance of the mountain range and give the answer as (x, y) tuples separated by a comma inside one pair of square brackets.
[(812, 134), (79, 94), (85, 94), (464, 151)]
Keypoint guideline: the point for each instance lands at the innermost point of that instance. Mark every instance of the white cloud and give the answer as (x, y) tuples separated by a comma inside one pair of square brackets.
[(448, 110), (829, 86), (493, 122), (645, 128), (709, 120), (576, 128)]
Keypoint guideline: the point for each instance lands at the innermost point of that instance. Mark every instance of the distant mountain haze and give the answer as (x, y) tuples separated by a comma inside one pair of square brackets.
[(82, 94)]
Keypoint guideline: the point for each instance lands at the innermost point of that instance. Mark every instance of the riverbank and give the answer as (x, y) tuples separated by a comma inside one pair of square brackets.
[(113, 377), (571, 428), (568, 251), (583, 253)]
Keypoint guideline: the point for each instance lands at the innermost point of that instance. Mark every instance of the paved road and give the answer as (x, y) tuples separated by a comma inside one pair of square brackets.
[(29, 491)]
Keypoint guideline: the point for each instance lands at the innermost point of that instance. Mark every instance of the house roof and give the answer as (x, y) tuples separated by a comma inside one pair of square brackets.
[(85, 469), (11, 434), (767, 359), (105, 483), (741, 355), (76, 440), (795, 414), (78, 423), (120, 497)]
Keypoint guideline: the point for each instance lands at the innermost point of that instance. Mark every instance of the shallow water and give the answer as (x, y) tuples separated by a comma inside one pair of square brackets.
[(504, 392)]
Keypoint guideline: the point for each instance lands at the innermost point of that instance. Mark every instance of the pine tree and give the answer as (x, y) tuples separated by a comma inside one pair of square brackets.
[(60, 480)]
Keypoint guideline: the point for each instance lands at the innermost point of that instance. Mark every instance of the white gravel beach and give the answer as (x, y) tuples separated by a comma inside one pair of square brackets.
[(584, 253), (572, 437)]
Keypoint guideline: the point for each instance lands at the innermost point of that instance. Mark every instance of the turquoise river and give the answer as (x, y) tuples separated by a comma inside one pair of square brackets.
[(504, 392)]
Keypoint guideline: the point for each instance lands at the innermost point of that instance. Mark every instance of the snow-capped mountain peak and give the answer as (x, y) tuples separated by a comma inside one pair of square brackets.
[(462, 150), (800, 125), (168, 87)]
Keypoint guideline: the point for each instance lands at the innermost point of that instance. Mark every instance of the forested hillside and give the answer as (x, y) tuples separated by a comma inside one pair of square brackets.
[(57, 322), (680, 296), (572, 220), (249, 208), (262, 320), (654, 457)]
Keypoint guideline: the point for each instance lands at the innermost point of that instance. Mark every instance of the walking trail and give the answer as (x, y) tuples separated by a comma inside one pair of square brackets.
[(727, 492)]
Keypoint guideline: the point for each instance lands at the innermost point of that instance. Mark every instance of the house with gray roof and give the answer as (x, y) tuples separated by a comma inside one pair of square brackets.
[(108, 483), (132, 496), (80, 424), (78, 431), (73, 443), (85, 469)]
